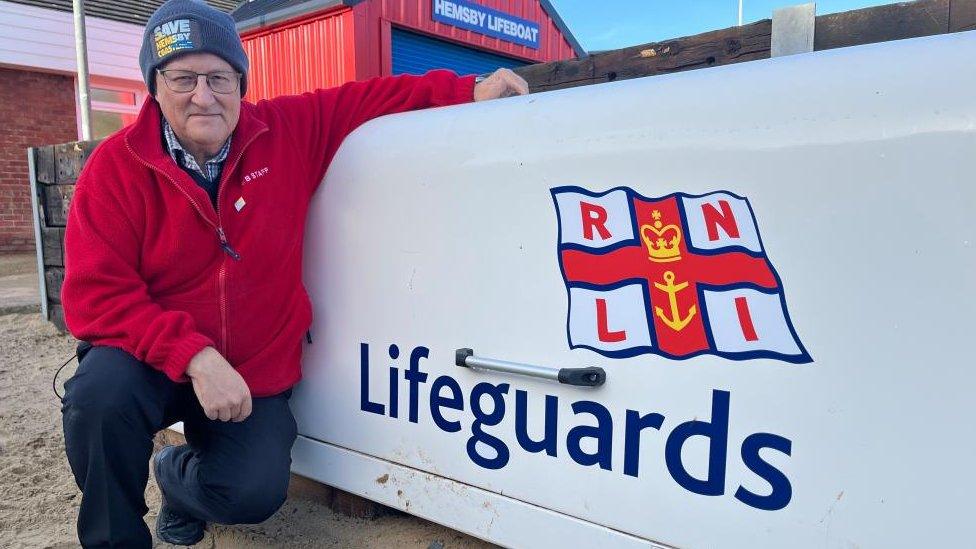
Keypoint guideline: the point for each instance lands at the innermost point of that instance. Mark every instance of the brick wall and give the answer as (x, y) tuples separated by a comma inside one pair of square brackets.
[(35, 109)]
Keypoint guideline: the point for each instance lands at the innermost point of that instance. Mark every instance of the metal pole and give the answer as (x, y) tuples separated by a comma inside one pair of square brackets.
[(740, 13), (38, 234), (81, 51)]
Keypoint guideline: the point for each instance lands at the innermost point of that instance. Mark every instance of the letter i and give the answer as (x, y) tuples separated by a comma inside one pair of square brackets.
[(745, 319), (394, 382)]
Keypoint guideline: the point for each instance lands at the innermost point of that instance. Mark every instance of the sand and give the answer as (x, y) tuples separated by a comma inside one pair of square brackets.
[(18, 284), (39, 499)]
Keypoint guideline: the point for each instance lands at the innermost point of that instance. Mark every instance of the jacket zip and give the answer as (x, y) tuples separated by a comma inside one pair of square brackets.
[(218, 227), (222, 275), (226, 245)]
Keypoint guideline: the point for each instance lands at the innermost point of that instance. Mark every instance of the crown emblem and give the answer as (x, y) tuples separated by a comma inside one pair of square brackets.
[(661, 240)]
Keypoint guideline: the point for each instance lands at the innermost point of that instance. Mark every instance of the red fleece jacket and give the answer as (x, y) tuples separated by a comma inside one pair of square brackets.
[(150, 265)]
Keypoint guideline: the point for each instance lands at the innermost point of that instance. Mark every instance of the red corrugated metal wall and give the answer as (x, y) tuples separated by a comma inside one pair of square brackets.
[(328, 49), (374, 18), (311, 53)]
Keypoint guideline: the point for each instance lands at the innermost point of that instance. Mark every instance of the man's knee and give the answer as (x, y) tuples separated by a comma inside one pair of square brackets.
[(111, 388), (253, 500)]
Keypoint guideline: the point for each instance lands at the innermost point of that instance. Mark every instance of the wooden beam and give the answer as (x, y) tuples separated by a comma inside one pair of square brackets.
[(962, 15), (57, 198), (751, 42), (54, 279), (881, 24), (69, 159), (710, 49), (57, 318), (52, 243), (44, 168)]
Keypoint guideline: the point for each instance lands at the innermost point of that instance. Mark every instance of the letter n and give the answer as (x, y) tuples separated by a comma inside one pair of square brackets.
[(715, 219)]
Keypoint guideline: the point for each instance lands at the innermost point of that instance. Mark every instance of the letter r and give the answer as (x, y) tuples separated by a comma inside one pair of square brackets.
[(594, 216)]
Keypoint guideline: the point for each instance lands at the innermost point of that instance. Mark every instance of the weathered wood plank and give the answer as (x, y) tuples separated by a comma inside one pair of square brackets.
[(56, 314), (52, 243), (720, 47), (39, 199), (881, 24), (54, 279), (559, 74), (751, 42), (710, 49), (57, 199), (962, 15), (355, 506), (45, 168), (70, 158)]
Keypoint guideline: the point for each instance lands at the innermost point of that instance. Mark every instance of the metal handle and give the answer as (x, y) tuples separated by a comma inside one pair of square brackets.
[(583, 377)]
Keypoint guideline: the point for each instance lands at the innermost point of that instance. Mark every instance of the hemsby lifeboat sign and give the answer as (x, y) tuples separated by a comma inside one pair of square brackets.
[(489, 22)]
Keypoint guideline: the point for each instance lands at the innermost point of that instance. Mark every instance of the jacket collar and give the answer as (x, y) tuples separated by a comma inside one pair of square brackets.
[(144, 137)]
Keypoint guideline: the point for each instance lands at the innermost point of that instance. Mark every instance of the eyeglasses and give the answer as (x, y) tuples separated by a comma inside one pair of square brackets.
[(181, 81)]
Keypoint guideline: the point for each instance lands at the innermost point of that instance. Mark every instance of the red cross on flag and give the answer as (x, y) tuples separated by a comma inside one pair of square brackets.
[(676, 276)]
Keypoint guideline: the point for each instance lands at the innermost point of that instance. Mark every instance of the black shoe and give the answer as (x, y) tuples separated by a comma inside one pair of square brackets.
[(173, 526)]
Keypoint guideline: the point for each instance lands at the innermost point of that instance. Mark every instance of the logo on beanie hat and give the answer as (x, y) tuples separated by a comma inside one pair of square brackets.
[(175, 35)]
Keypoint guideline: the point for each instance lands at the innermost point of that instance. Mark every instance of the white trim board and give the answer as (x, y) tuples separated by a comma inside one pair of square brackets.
[(42, 39), (469, 509)]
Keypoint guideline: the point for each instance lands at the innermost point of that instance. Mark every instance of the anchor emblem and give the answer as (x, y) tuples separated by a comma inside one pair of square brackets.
[(675, 322)]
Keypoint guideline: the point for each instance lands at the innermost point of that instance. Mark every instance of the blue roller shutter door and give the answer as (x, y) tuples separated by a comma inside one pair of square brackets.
[(417, 54)]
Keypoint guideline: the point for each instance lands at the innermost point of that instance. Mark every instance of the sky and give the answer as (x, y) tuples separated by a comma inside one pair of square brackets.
[(614, 24)]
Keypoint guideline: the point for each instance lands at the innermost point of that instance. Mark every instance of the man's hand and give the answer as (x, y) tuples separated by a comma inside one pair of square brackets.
[(220, 389), (501, 83)]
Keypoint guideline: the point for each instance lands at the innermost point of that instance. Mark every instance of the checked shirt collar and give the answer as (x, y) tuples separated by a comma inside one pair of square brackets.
[(211, 168)]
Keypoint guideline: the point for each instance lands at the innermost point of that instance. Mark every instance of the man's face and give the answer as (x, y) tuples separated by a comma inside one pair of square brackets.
[(201, 119)]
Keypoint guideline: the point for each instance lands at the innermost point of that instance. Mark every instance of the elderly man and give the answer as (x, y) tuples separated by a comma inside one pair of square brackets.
[(183, 271)]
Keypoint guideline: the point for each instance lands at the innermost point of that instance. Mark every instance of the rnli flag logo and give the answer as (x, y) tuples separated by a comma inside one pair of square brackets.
[(676, 276)]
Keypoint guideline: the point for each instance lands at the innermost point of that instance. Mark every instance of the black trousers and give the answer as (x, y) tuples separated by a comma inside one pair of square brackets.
[(229, 473)]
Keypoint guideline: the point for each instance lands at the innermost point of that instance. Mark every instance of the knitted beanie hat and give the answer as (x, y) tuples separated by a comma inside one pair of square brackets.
[(189, 26)]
